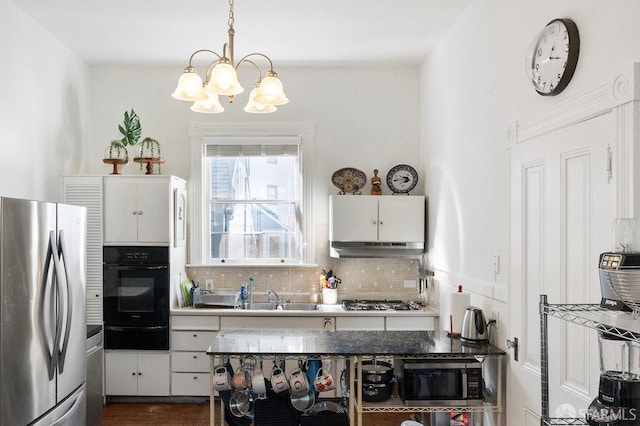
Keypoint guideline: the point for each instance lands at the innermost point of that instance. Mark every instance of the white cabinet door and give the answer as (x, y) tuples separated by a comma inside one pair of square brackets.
[(360, 323), (137, 374), (120, 210), (153, 374), (154, 201), (401, 218), (377, 218), (121, 373), (277, 323), (195, 340), (190, 361), (137, 210), (418, 323), (190, 384), (353, 218)]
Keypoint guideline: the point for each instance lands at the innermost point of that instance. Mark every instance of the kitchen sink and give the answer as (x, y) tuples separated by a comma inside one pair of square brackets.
[(283, 306)]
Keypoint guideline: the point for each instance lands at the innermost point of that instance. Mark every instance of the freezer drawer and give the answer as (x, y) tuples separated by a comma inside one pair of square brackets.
[(70, 412)]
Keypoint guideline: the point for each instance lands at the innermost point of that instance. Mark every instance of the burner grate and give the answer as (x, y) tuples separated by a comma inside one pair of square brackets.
[(379, 305)]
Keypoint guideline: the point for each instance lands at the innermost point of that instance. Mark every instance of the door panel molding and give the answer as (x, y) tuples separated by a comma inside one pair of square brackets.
[(599, 98)]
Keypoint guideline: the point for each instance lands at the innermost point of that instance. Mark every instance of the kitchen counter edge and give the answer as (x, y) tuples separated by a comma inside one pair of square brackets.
[(322, 311)]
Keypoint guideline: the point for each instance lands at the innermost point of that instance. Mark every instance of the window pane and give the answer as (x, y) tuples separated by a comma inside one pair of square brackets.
[(264, 230), (253, 178), (253, 207)]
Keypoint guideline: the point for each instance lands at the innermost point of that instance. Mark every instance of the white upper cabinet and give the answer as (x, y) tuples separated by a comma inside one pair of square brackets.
[(139, 209), (377, 218)]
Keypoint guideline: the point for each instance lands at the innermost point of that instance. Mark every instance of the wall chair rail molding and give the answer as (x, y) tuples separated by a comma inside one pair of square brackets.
[(618, 94)]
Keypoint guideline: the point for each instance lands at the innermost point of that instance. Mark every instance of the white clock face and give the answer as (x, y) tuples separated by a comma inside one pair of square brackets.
[(553, 57)]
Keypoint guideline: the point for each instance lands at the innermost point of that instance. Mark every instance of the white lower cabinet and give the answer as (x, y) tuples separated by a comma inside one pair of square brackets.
[(278, 323), (190, 364), (360, 323), (136, 373), (418, 323)]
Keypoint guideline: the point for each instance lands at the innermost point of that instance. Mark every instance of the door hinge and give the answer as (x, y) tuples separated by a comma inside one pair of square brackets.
[(609, 164)]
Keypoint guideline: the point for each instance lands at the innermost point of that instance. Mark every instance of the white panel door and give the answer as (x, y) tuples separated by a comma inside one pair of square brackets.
[(562, 209)]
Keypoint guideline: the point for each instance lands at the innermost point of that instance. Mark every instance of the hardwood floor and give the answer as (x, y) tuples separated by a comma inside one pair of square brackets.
[(138, 414)]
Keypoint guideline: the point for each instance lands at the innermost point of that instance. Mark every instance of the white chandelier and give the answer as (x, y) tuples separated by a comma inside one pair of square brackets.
[(222, 79)]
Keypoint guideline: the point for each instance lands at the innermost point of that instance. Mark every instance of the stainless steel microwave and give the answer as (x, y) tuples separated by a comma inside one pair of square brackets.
[(440, 382)]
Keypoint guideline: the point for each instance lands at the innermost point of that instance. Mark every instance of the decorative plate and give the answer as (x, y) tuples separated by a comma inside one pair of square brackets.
[(349, 179), (402, 178)]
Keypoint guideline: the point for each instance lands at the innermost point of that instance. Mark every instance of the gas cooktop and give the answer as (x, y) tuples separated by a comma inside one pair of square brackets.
[(380, 305)]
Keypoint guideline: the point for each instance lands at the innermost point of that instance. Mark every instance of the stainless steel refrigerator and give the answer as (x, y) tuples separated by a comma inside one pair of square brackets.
[(42, 313)]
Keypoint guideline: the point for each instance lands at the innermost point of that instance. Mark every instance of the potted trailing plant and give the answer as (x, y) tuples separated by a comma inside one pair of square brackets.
[(132, 129), (116, 152), (148, 151)]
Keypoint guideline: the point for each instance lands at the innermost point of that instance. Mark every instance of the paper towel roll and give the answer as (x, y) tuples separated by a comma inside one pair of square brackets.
[(460, 301)]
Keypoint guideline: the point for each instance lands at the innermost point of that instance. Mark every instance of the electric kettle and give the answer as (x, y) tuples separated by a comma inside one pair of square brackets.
[(474, 326)]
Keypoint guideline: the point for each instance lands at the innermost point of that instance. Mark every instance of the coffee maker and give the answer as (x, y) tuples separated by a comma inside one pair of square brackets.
[(618, 401)]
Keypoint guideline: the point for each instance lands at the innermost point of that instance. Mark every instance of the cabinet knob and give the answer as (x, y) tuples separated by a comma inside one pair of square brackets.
[(140, 212), (133, 374), (195, 377), (381, 222), (373, 222), (139, 373), (195, 357), (134, 212), (195, 334)]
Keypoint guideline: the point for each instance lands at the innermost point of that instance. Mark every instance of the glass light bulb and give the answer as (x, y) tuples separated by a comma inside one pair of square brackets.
[(211, 105), (224, 80), (271, 91), (189, 88)]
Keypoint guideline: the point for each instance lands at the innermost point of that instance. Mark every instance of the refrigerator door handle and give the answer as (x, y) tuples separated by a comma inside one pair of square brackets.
[(45, 286), (61, 267)]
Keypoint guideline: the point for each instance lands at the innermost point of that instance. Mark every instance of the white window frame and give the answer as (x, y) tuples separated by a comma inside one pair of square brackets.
[(203, 134)]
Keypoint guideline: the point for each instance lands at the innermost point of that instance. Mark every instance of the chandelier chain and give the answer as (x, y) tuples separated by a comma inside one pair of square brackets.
[(231, 17)]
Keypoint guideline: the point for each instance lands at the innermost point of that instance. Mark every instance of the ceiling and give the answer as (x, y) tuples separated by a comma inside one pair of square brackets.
[(293, 32)]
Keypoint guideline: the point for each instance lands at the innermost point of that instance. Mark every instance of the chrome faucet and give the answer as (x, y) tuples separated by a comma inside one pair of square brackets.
[(270, 297)]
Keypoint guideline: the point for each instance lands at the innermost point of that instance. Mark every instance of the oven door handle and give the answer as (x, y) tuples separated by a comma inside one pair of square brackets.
[(135, 267), (126, 328)]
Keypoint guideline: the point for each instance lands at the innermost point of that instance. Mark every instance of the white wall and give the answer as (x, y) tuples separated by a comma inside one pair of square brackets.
[(364, 117), (473, 88), (43, 108)]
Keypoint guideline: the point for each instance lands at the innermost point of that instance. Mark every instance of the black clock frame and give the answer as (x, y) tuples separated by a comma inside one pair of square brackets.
[(572, 58)]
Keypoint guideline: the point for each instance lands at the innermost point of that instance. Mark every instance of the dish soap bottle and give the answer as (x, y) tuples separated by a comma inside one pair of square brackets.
[(250, 289)]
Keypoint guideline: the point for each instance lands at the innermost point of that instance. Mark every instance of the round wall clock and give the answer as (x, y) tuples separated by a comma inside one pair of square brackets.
[(553, 56), (402, 178)]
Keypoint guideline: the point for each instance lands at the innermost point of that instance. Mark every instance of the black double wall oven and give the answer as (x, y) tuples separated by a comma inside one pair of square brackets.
[(136, 297)]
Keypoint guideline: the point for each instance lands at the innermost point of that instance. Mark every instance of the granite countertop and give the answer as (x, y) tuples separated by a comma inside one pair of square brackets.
[(426, 344), (322, 310), (92, 330)]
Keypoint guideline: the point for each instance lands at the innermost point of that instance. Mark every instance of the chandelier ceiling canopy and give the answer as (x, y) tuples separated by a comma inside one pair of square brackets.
[(221, 78)]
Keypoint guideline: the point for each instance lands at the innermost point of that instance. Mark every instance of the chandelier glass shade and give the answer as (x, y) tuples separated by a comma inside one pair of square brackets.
[(221, 78)]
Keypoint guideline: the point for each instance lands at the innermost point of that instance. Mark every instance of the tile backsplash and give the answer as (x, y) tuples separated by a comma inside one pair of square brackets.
[(361, 278)]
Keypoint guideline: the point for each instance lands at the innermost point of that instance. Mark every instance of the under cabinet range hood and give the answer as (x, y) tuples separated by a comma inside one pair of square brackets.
[(366, 249), (377, 226)]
